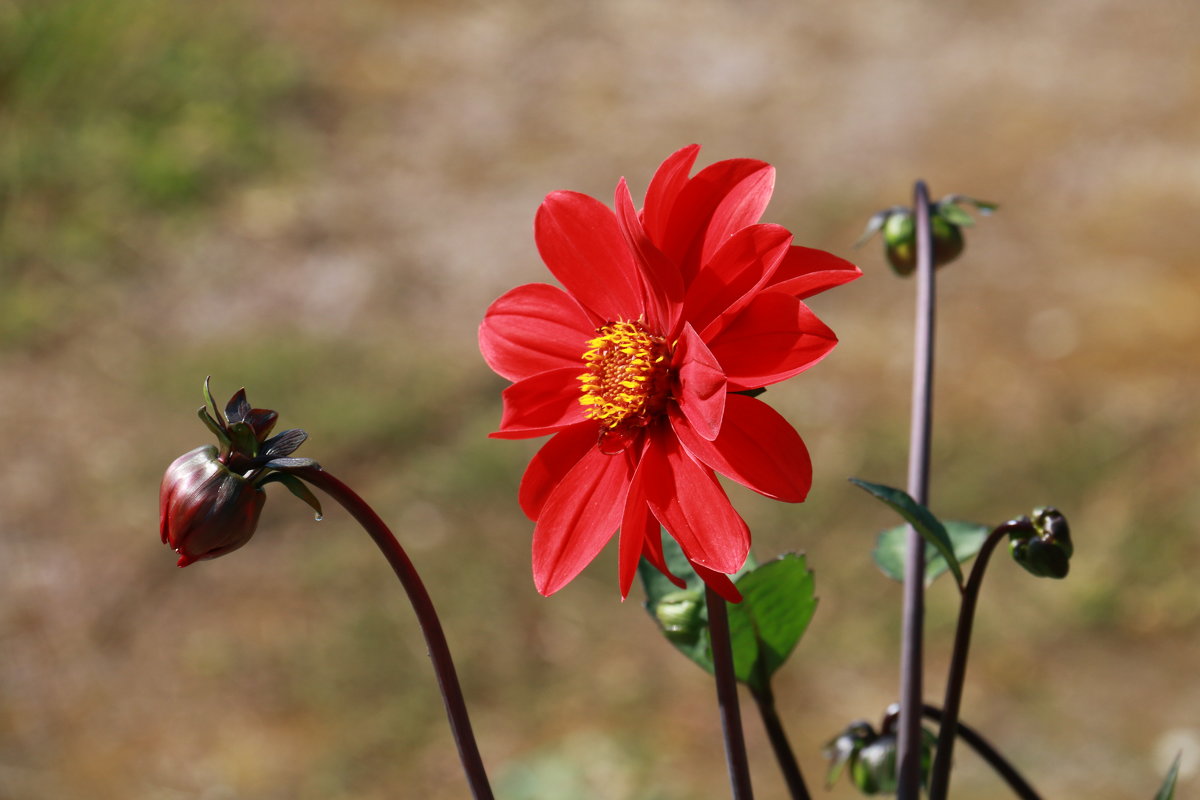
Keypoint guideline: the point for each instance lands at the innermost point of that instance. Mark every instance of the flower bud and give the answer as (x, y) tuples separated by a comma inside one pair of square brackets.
[(681, 615), (871, 755), (206, 510), (946, 221), (1043, 545)]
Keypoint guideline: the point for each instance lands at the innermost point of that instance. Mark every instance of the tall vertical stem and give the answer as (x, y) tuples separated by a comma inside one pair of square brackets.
[(435, 638), (727, 697), (911, 699)]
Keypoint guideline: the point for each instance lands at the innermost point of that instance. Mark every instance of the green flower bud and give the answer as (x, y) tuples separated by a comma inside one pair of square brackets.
[(871, 756), (946, 221), (1043, 546), (681, 616)]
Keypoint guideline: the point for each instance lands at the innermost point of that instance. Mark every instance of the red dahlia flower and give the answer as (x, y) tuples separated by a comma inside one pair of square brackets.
[(639, 367)]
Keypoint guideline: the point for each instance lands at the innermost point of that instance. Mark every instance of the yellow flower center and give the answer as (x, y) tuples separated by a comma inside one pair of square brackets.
[(626, 378)]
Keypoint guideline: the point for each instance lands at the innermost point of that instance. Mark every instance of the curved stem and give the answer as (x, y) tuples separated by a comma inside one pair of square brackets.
[(911, 691), (939, 781), (727, 698), (435, 638), (991, 755), (765, 699)]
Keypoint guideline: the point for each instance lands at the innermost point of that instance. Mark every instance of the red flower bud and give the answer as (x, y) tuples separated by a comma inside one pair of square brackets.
[(206, 510)]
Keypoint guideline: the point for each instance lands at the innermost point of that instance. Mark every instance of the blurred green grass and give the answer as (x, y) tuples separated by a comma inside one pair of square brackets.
[(120, 122)]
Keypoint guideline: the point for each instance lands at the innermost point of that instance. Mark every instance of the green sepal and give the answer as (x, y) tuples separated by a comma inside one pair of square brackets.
[(209, 401), (921, 518), (955, 215), (296, 487), (892, 544), (213, 426), (875, 223), (243, 439), (1167, 790)]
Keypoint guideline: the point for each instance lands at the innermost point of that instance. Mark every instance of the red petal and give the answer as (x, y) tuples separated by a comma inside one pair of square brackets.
[(700, 392), (580, 241), (579, 518), (693, 507), (542, 404), (744, 205), (774, 337), (727, 282), (551, 464), (719, 582), (805, 272), (721, 199), (638, 526), (662, 284), (757, 447), (664, 189), (534, 328), (652, 551)]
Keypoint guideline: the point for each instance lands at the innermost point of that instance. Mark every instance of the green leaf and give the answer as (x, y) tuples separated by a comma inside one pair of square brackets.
[(921, 518), (777, 604), (890, 548), (1167, 790), (873, 225)]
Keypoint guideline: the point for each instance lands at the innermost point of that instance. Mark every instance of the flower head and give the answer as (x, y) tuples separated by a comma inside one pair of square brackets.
[(640, 367), (210, 498)]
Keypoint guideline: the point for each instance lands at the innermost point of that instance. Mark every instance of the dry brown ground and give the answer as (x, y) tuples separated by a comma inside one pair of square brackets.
[(347, 295)]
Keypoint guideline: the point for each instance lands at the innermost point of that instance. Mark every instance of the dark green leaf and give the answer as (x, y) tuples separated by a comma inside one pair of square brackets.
[(921, 518), (966, 537), (1167, 790)]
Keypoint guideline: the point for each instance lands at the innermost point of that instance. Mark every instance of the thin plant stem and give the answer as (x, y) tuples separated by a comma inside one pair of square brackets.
[(911, 698), (939, 780), (435, 638), (727, 697), (765, 699), (991, 755)]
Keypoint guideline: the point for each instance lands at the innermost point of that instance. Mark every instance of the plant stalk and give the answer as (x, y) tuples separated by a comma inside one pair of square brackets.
[(727, 697), (991, 755), (765, 699), (431, 627), (939, 780), (911, 690)]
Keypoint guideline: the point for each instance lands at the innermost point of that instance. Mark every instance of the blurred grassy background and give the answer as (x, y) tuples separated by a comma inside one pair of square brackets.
[(317, 201)]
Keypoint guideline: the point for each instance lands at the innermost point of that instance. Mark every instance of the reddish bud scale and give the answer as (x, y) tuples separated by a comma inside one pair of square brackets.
[(205, 510)]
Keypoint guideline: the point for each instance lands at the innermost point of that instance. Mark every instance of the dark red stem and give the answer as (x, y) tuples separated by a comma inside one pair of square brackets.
[(727, 697), (909, 740), (765, 699), (435, 638), (939, 780), (991, 755)]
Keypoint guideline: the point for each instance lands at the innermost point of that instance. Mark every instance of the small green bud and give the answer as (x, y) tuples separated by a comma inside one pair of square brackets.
[(871, 756), (1043, 546), (946, 221), (681, 616)]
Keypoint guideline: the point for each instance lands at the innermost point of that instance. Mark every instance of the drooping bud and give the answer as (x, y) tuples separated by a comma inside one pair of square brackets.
[(210, 499), (205, 510), (1043, 545), (946, 221)]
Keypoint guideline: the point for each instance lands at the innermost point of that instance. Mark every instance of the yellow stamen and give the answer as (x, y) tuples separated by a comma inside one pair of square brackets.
[(626, 378)]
